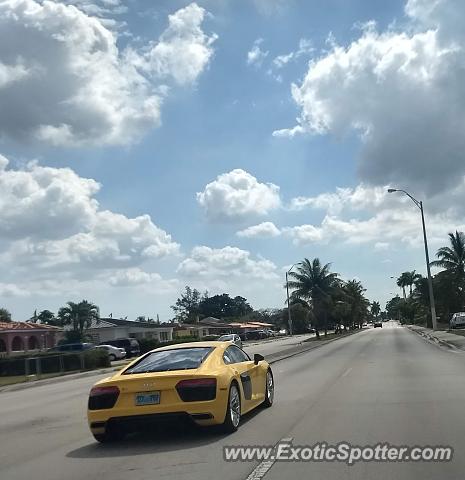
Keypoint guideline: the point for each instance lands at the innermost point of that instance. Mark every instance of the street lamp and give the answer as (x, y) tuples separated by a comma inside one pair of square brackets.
[(289, 318), (430, 281)]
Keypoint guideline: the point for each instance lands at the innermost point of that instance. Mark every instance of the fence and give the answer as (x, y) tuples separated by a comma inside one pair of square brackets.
[(40, 365)]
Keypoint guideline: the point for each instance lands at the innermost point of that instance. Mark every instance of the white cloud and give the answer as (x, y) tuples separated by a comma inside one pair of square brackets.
[(358, 198), (365, 214), (256, 55), (225, 263), (183, 50), (262, 230), (44, 202), (381, 246), (305, 48), (402, 92), (64, 80), (238, 195), (54, 221)]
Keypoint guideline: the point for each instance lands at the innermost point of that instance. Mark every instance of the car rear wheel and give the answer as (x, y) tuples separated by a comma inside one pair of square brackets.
[(112, 434), (233, 410), (269, 389)]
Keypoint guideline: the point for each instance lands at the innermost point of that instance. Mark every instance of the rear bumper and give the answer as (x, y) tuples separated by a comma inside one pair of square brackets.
[(203, 413), (142, 422)]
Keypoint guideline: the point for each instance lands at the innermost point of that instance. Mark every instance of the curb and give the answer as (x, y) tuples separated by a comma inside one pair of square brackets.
[(432, 339), (59, 378)]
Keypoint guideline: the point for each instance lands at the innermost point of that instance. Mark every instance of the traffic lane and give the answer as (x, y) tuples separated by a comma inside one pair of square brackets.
[(54, 438), (400, 390), (269, 347)]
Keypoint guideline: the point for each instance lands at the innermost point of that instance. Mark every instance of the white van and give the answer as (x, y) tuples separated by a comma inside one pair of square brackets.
[(457, 320)]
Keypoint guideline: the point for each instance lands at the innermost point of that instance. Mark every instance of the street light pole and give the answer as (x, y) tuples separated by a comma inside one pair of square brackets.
[(428, 269), (289, 317), (419, 204)]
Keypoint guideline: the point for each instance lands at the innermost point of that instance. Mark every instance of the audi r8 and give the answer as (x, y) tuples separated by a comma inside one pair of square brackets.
[(210, 383)]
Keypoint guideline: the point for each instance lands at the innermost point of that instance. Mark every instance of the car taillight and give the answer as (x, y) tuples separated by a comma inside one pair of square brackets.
[(196, 389), (103, 397)]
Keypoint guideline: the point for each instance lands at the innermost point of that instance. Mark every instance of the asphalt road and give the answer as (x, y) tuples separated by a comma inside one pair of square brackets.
[(381, 385)]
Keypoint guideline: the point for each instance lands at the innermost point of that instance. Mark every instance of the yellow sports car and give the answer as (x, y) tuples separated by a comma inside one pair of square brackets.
[(212, 383)]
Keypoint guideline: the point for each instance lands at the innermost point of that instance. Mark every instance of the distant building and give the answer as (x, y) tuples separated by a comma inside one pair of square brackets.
[(112, 328), (203, 328), (21, 337)]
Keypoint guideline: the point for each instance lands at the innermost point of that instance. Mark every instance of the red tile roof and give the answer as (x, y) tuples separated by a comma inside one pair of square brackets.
[(25, 326)]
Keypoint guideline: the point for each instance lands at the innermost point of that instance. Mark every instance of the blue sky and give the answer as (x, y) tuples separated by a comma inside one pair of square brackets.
[(185, 113)]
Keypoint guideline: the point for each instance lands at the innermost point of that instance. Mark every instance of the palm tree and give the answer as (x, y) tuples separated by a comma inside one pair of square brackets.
[(410, 278), (355, 297), (375, 308), (316, 284), (79, 315), (403, 282), (452, 258)]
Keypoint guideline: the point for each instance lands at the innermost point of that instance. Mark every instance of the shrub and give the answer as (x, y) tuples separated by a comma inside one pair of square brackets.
[(96, 358)]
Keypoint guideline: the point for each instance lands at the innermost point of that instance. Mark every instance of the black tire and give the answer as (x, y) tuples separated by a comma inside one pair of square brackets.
[(269, 394), (112, 357), (231, 422), (112, 434)]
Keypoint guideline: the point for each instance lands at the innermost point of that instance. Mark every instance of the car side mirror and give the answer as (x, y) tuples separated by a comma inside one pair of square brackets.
[(258, 358)]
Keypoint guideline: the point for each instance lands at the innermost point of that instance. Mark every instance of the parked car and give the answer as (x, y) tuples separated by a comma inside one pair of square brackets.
[(457, 320), (71, 347), (271, 333), (131, 345), (253, 335), (114, 353), (234, 338)]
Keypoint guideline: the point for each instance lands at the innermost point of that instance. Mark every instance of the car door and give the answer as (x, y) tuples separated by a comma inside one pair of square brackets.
[(249, 375)]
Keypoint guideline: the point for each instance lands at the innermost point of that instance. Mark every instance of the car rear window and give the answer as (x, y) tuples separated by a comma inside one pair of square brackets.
[(168, 360)]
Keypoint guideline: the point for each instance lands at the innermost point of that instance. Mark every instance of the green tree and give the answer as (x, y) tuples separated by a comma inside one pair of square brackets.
[(5, 315), (375, 308), (393, 307), (223, 306), (316, 284), (403, 282), (354, 294), (301, 315), (79, 316), (410, 279), (47, 317), (187, 306), (452, 258)]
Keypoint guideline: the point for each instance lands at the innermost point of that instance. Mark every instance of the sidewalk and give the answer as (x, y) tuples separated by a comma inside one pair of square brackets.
[(440, 337)]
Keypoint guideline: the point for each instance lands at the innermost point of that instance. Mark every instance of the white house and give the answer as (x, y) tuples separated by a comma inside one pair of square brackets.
[(112, 328)]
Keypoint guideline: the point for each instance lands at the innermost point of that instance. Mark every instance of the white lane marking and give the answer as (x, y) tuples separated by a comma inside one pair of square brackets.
[(265, 466), (347, 372)]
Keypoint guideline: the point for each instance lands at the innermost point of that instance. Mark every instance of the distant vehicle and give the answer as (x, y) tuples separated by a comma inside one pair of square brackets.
[(457, 320), (271, 333), (114, 353), (71, 347), (283, 331), (378, 323), (234, 338), (253, 335), (131, 345)]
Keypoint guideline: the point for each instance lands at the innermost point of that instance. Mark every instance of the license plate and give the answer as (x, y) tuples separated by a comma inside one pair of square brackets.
[(148, 398)]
